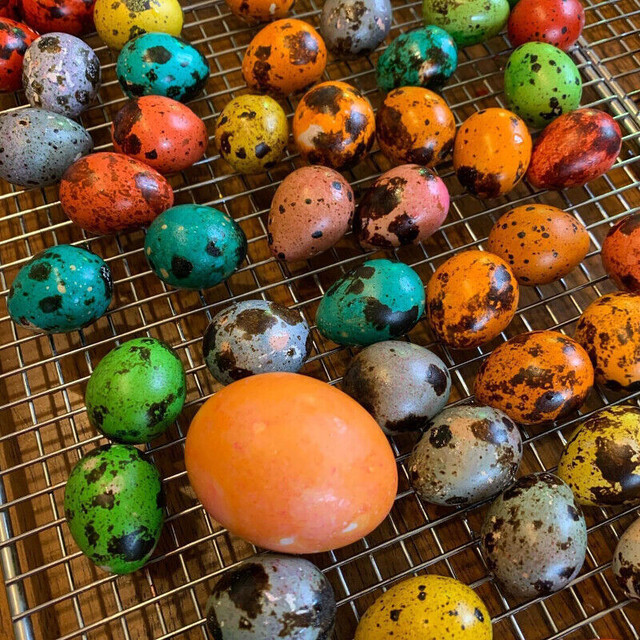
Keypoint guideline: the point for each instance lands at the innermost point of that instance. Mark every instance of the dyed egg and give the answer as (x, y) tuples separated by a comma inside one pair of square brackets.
[(38, 146), (194, 247), (136, 392), (626, 561), (255, 336), (160, 132), (534, 537), (118, 21), (557, 22), (540, 243), (601, 461), (415, 125), (468, 22), (471, 299), (405, 205), (252, 11), (252, 133), (162, 65), (424, 57), (110, 193), (15, 38), (376, 301), (535, 377), (285, 443), (609, 330), (334, 125), (468, 453), (621, 253), (9, 9), (428, 606), (402, 385), (491, 153), (353, 28), (113, 503), (574, 149), (311, 210), (284, 57), (61, 289), (290, 598), (66, 16)]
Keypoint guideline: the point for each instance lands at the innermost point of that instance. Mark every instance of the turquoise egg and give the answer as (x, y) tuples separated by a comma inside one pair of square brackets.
[(160, 64), (194, 247), (376, 301), (61, 289)]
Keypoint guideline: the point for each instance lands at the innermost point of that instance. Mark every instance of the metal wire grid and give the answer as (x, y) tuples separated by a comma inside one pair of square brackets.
[(55, 592)]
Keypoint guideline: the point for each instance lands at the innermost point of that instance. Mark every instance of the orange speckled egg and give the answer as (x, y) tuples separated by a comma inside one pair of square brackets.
[(415, 125), (471, 298), (252, 11), (334, 125), (541, 243), (535, 377), (491, 152), (284, 57), (290, 463), (621, 253)]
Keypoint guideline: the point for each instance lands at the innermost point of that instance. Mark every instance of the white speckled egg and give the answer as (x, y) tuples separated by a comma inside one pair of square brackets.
[(626, 561)]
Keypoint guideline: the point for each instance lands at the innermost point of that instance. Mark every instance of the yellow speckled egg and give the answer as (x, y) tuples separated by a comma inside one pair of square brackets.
[(429, 607), (118, 21)]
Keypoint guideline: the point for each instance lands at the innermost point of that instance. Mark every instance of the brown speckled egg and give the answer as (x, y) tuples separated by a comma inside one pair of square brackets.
[(609, 330), (471, 299), (621, 253), (535, 377), (626, 561), (252, 11), (310, 211), (541, 243)]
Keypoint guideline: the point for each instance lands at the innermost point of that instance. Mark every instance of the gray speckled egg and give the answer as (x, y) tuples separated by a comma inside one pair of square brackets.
[(626, 561), (269, 597), (402, 385), (61, 73), (467, 454), (255, 336), (38, 146), (534, 537)]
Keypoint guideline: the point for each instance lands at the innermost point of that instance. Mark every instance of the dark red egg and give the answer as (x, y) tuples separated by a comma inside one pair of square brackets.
[(69, 16), (621, 253), (9, 9), (15, 38)]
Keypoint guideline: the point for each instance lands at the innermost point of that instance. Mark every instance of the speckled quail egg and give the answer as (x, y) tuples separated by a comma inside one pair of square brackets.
[(626, 561)]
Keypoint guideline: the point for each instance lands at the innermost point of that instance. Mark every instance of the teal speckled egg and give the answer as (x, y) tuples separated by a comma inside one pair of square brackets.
[(113, 503), (376, 301), (194, 247), (541, 83), (61, 289)]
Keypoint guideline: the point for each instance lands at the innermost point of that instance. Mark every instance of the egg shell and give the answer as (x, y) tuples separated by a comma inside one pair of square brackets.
[(113, 503), (621, 253), (534, 537), (107, 193), (254, 11), (402, 385), (163, 65), (535, 377), (38, 146), (136, 392), (376, 301), (311, 210), (61, 289), (434, 607), (423, 57), (626, 561), (160, 132), (66, 16), (491, 152), (540, 243), (609, 330), (191, 246), (15, 38), (9, 9), (255, 336), (281, 597), (471, 299), (284, 57), (334, 125), (405, 205), (283, 443), (252, 133)]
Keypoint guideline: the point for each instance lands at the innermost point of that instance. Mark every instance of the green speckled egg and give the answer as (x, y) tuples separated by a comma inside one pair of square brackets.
[(376, 301), (541, 83), (136, 392), (113, 503)]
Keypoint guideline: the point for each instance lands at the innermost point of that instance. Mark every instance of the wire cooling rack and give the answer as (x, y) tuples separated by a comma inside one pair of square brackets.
[(55, 592)]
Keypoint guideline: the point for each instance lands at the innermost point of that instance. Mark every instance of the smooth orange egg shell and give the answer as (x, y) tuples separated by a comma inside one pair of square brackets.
[(290, 463)]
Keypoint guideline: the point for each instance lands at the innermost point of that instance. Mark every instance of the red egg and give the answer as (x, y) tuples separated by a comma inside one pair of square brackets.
[(9, 9), (15, 38), (69, 16)]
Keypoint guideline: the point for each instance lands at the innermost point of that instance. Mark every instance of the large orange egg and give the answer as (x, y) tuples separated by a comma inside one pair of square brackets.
[(290, 463)]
